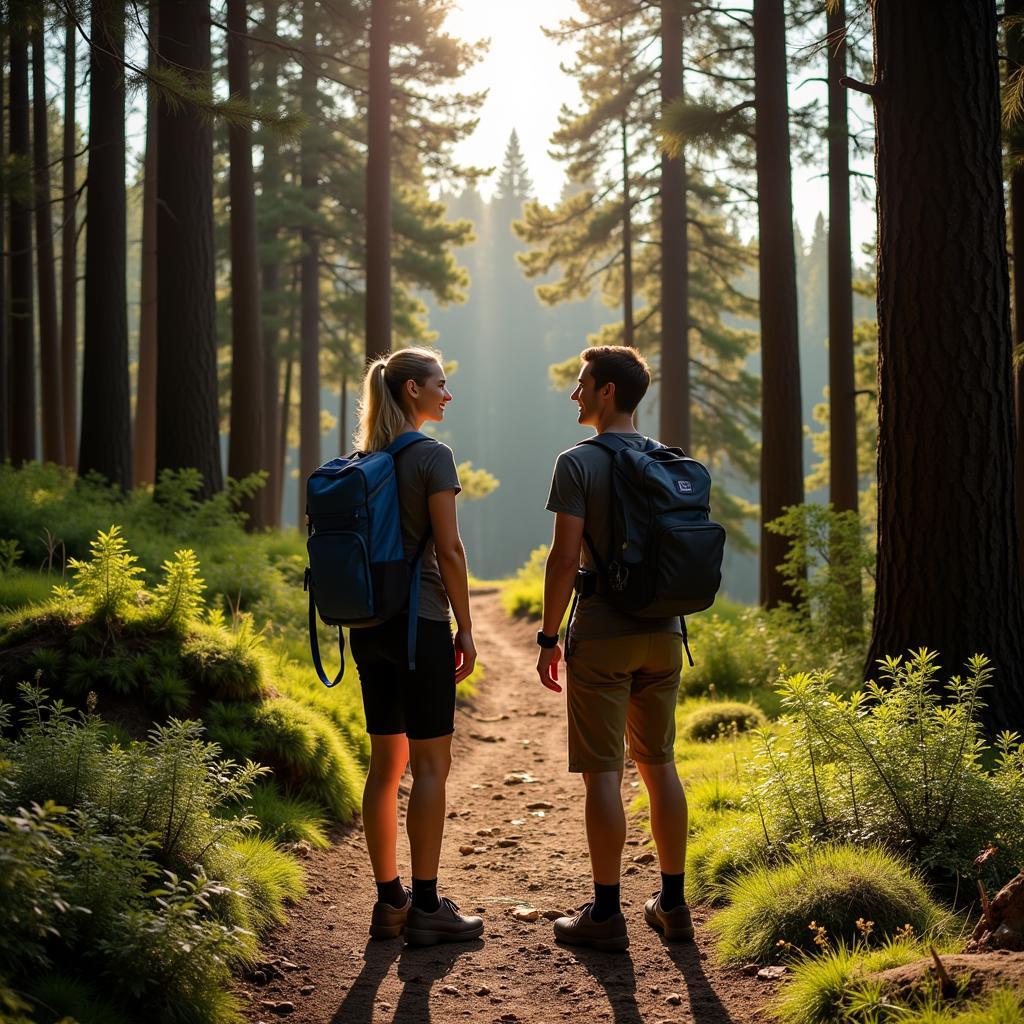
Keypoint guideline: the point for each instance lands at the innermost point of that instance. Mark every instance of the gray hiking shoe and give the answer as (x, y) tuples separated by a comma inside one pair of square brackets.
[(674, 924), (445, 924), (582, 930), (386, 921)]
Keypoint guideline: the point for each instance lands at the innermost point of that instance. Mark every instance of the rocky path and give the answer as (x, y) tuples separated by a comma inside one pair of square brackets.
[(514, 839)]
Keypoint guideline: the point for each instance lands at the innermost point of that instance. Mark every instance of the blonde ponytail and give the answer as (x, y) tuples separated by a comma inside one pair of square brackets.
[(381, 416)]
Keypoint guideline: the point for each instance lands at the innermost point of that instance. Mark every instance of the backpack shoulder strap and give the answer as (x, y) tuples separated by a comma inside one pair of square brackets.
[(403, 441)]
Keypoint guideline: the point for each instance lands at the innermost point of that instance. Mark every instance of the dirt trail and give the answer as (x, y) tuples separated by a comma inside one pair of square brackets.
[(324, 969)]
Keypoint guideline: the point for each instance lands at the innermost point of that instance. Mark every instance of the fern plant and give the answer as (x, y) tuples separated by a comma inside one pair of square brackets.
[(109, 583), (179, 595)]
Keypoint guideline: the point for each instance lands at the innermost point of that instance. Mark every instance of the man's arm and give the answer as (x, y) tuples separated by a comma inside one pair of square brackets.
[(559, 574)]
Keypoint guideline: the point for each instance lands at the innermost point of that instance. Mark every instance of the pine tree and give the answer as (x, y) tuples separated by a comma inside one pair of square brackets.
[(514, 179), (106, 410), (5, 401), (246, 451), (52, 399), (1014, 22), (22, 385), (69, 251), (186, 407), (948, 575)]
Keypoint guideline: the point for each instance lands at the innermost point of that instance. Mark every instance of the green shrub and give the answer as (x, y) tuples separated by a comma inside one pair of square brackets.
[(723, 851), (817, 990), (831, 886), (896, 764), (59, 996), (523, 595), (287, 819), (721, 717), (19, 588)]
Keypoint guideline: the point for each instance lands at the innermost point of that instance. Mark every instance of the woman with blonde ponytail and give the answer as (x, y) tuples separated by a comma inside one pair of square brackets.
[(410, 714)]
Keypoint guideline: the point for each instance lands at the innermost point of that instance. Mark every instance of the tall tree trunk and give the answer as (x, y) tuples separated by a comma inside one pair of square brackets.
[(22, 354), (309, 326), (627, 242), (282, 441), (69, 252), (187, 421), (782, 478), (5, 396), (144, 448), (378, 185), (50, 391), (842, 399), (843, 476), (1014, 65), (245, 452), (106, 391), (343, 441), (674, 406), (270, 181), (948, 576)]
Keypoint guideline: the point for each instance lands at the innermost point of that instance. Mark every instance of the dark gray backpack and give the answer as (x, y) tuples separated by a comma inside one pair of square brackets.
[(665, 555)]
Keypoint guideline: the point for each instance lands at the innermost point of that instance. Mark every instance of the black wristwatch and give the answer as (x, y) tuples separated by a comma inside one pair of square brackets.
[(545, 641)]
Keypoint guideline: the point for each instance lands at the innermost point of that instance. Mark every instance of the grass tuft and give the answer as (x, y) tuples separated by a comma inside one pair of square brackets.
[(833, 886)]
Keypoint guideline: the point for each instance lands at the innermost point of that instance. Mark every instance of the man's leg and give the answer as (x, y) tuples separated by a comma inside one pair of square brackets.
[(606, 837), (668, 814)]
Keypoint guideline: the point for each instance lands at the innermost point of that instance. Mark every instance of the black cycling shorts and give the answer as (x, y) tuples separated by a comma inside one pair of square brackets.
[(420, 704)]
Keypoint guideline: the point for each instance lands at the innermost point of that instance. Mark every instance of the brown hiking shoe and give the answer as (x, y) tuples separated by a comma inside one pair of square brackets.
[(674, 924), (580, 930), (445, 924), (386, 921)]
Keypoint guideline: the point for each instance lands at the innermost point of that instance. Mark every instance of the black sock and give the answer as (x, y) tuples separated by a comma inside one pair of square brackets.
[(606, 902), (672, 891), (424, 894), (393, 893)]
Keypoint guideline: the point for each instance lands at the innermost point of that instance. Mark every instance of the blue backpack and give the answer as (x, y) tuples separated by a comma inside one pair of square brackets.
[(358, 574)]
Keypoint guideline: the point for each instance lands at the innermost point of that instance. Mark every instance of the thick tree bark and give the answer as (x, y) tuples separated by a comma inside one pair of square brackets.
[(627, 242), (5, 396), (144, 447), (378, 186), (22, 351), (674, 406), (309, 314), (50, 391), (282, 441), (842, 399), (187, 422), (343, 439), (782, 479), (246, 448), (948, 576), (69, 253), (1014, 64), (270, 180), (106, 403)]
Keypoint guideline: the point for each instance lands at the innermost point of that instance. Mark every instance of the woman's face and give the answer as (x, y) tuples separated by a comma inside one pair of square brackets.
[(429, 398)]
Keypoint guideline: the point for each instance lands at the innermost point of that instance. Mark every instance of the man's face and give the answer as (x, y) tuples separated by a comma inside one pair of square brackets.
[(587, 397)]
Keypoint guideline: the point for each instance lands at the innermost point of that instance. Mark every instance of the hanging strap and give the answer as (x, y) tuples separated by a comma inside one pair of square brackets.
[(314, 642), (686, 646), (414, 598)]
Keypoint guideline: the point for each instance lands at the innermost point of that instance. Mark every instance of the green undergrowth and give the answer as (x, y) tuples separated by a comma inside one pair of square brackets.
[(817, 893), (133, 878)]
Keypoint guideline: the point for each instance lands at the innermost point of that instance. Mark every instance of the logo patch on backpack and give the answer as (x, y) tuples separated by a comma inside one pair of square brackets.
[(684, 486)]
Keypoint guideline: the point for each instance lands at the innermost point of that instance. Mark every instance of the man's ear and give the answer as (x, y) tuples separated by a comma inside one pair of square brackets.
[(608, 391)]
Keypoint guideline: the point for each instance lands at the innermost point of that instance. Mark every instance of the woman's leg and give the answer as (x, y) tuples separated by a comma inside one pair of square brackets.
[(430, 761), (389, 756)]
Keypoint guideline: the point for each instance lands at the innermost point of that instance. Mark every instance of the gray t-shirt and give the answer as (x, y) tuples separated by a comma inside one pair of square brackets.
[(423, 469), (581, 486)]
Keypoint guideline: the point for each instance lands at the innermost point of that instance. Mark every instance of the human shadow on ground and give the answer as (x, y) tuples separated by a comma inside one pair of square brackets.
[(705, 1006), (418, 969), (614, 973)]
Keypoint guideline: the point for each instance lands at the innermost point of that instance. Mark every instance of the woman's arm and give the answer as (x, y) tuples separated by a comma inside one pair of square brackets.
[(451, 562)]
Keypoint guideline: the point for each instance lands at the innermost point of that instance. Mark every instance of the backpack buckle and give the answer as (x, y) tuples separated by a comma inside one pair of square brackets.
[(618, 576)]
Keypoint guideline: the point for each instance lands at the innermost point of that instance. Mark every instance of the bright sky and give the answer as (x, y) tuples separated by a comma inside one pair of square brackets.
[(526, 89)]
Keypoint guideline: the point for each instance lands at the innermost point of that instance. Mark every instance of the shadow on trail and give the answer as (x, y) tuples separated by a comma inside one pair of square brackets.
[(614, 973), (418, 969), (705, 1006)]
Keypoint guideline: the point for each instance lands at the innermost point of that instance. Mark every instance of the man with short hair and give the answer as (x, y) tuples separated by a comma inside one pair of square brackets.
[(622, 670)]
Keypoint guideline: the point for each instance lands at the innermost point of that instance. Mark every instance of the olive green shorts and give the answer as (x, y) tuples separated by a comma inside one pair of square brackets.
[(618, 688)]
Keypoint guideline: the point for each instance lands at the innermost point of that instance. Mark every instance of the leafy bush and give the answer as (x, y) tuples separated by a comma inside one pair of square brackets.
[(825, 887), (895, 764), (716, 719), (722, 852), (150, 880), (523, 595)]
